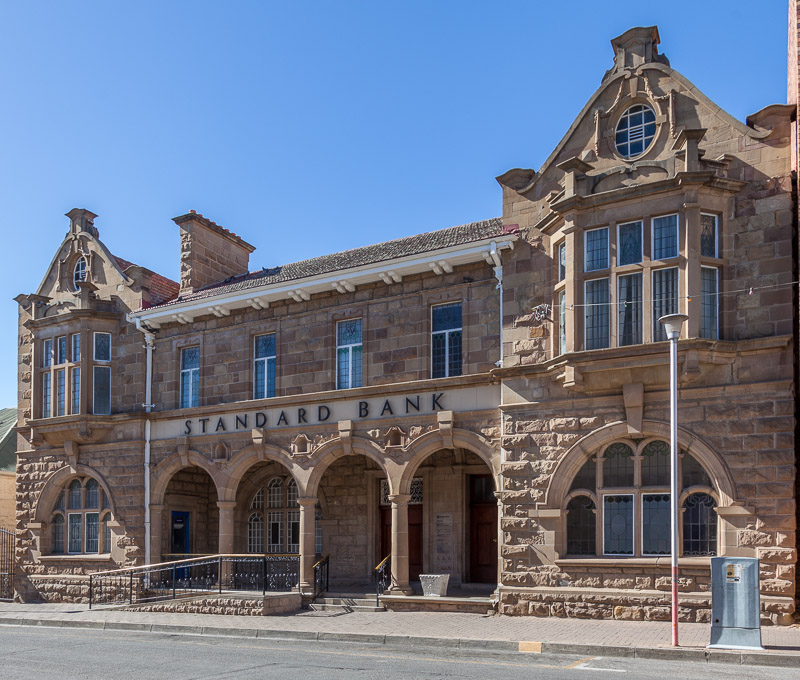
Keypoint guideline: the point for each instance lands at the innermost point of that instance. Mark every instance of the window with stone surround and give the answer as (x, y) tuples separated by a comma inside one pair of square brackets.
[(101, 374), (79, 524), (446, 340), (348, 354), (79, 272), (619, 503), (264, 366), (190, 377), (274, 507), (60, 376)]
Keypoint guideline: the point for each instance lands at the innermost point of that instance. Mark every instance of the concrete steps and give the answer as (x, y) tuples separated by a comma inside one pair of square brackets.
[(344, 604)]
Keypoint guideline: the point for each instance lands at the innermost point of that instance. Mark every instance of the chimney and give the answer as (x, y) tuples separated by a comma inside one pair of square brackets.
[(209, 253)]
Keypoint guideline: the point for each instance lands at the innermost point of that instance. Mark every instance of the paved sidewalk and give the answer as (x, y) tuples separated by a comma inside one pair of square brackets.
[(500, 633)]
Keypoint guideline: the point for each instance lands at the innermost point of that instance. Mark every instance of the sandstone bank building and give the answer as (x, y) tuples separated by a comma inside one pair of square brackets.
[(488, 401)]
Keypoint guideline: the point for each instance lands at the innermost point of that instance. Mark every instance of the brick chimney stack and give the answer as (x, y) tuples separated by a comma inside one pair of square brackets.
[(209, 253)]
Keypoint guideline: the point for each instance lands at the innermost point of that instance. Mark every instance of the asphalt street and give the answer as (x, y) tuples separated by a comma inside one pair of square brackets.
[(28, 653)]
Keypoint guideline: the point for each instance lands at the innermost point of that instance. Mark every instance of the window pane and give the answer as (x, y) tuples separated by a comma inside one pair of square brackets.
[(693, 474), (61, 352), (586, 477), (75, 542), (76, 391), (76, 347), (275, 493), (581, 526), (348, 332), (635, 130), (562, 261), (699, 525), (92, 494), (618, 466), (275, 532), (562, 322), (665, 299), (655, 524), (265, 346), (75, 495), (258, 501), (597, 314), (709, 294), (629, 249), (57, 544), (665, 237), (656, 464), (46, 395), (92, 532), (61, 392), (47, 353), (454, 351), (260, 379), (291, 494), (271, 377), (596, 249), (102, 346), (293, 519), (618, 524), (255, 533), (708, 235), (102, 390), (355, 374), (446, 317), (343, 368), (629, 318), (190, 358), (438, 355)]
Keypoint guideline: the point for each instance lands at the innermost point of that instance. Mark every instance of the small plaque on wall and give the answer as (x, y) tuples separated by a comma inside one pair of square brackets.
[(443, 550)]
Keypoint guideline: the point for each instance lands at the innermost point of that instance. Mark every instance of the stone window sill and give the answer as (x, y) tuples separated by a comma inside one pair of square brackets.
[(105, 557), (662, 561)]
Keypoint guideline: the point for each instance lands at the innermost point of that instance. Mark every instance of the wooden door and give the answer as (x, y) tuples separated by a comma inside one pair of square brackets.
[(482, 530)]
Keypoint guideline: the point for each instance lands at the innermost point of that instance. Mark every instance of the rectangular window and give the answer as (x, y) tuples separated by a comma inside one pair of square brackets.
[(562, 322), (76, 347), (75, 402), (106, 533), (656, 524), (190, 377), (61, 392), (618, 524), (102, 346), (46, 394), (348, 354), (562, 261), (596, 249), (709, 303), (74, 538), (92, 532), (264, 367), (665, 237), (629, 243), (102, 390), (58, 535), (709, 235), (293, 519), (446, 340), (61, 350), (665, 299), (597, 314), (47, 353), (275, 532), (629, 316)]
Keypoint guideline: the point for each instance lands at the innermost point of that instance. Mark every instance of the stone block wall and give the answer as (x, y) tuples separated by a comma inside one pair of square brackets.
[(7, 500)]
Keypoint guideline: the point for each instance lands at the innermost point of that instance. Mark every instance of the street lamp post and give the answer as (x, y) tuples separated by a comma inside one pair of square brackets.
[(673, 324)]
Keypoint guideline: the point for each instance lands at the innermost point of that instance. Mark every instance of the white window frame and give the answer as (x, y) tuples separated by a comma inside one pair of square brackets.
[(69, 550), (632, 494), (640, 509), (447, 333), (585, 250), (187, 374), (265, 361), (350, 349), (561, 340), (702, 297), (653, 237), (94, 347), (641, 241)]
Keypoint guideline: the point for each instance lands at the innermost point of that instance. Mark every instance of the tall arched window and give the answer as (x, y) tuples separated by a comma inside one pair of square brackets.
[(80, 519), (79, 272), (281, 517), (622, 496)]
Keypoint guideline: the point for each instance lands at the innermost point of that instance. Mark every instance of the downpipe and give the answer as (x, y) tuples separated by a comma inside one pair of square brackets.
[(498, 274)]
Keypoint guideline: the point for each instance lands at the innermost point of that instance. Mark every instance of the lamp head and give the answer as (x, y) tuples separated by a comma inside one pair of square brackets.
[(673, 324)]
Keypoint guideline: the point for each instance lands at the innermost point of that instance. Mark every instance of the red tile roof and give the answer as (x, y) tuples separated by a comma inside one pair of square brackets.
[(162, 289)]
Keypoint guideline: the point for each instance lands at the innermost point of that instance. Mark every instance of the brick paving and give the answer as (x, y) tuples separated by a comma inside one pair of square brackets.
[(443, 625)]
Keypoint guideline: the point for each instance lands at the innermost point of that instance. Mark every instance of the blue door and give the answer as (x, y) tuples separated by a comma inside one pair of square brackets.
[(181, 542)]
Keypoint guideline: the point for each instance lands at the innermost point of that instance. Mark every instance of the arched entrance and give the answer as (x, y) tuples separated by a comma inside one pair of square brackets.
[(190, 516)]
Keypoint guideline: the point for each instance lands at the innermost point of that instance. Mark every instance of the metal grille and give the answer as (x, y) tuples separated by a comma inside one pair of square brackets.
[(416, 492), (6, 564)]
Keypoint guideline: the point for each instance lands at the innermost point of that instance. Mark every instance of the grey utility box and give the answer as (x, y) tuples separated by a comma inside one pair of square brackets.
[(735, 604)]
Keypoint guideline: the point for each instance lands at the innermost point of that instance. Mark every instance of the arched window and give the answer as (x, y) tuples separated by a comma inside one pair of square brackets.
[(630, 482), (282, 518), (80, 519), (79, 272)]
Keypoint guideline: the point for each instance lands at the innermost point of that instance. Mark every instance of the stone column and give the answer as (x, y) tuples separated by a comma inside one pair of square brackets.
[(226, 509), (308, 542), (399, 583), (156, 527)]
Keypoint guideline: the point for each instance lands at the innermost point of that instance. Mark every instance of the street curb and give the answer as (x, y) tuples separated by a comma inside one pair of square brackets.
[(744, 658)]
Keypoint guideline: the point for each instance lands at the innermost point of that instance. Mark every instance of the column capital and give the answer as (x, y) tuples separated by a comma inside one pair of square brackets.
[(307, 501), (399, 498), (156, 506), (226, 505)]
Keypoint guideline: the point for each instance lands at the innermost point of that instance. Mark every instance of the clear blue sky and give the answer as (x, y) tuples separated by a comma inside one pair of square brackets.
[(313, 127)]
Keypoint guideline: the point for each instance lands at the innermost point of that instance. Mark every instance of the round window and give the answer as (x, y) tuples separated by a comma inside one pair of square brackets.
[(635, 131)]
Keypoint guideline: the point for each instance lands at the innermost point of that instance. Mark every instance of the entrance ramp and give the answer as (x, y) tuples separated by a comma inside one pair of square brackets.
[(240, 603)]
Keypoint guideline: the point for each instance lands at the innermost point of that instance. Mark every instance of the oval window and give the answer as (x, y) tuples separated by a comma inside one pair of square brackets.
[(635, 131)]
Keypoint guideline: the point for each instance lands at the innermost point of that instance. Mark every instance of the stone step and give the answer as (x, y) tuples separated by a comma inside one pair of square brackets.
[(345, 607), (349, 601)]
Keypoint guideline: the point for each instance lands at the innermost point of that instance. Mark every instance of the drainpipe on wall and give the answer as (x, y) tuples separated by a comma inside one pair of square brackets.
[(149, 345), (498, 274)]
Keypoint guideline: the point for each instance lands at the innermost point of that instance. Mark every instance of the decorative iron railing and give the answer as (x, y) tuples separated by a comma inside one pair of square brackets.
[(6, 564), (382, 578), (321, 577), (194, 576)]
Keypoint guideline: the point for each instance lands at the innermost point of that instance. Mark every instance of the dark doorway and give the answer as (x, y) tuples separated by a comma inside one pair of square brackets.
[(414, 538), (180, 542), (482, 530)]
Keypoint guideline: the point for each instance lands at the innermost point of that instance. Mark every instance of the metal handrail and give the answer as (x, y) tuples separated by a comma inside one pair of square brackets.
[(381, 578), (321, 577)]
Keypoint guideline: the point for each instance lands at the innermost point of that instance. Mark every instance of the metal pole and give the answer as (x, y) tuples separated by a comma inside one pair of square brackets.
[(673, 436)]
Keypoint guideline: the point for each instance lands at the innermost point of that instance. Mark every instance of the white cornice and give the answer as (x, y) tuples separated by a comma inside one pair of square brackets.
[(439, 261)]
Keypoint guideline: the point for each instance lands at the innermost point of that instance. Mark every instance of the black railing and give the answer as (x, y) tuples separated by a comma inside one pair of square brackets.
[(6, 564), (194, 576), (321, 577), (382, 577)]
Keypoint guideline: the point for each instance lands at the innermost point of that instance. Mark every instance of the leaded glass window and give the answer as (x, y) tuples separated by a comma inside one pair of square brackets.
[(102, 390), (597, 314), (709, 235), (75, 495), (629, 247), (76, 390), (709, 303), (618, 524), (596, 249), (629, 310), (655, 524), (656, 464), (74, 530), (581, 526), (46, 394), (348, 354), (618, 466), (190, 377), (87, 528), (446, 340), (92, 494), (635, 131), (57, 535), (102, 346), (264, 367), (699, 525), (665, 299), (61, 392), (76, 347), (586, 477), (692, 473), (47, 353), (92, 532), (562, 261), (562, 322), (61, 350), (665, 237)]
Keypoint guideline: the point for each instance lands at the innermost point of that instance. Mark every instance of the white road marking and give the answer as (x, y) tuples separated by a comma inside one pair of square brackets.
[(586, 667)]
